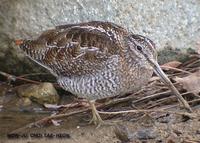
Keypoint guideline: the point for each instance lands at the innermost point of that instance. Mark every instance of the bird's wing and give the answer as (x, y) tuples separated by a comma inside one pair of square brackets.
[(76, 49)]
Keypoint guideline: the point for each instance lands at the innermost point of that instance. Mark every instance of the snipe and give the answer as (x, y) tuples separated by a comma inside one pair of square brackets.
[(97, 59)]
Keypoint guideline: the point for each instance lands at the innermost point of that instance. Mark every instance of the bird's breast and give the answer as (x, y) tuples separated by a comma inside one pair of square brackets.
[(108, 82), (136, 77), (96, 86)]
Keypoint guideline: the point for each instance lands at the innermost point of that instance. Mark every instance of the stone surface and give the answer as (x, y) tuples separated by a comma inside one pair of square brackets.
[(41, 93), (173, 23), (145, 134), (122, 133)]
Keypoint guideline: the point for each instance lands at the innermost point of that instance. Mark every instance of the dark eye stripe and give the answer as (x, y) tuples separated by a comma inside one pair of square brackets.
[(146, 42), (150, 43)]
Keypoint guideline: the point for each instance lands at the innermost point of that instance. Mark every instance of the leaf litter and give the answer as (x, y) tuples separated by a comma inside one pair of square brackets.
[(191, 83)]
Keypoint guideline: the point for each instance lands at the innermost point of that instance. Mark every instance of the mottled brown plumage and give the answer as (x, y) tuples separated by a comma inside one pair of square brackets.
[(94, 60), (91, 42), (93, 51)]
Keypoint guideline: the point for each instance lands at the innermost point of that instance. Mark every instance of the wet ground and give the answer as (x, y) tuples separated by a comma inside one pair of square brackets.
[(152, 127)]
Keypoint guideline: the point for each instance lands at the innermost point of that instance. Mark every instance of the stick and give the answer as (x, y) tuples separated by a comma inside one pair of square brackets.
[(49, 118), (175, 69), (191, 115), (13, 77)]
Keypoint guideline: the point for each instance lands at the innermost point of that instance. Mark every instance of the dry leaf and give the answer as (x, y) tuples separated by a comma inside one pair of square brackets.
[(198, 48), (154, 78), (56, 122), (53, 106), (191, 83), (173, 64)]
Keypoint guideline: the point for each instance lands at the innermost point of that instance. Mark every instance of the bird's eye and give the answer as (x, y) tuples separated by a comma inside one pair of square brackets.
[(139, 48)]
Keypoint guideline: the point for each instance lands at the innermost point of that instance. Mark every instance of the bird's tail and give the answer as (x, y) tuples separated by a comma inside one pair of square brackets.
[(26, 47), (21, 44)]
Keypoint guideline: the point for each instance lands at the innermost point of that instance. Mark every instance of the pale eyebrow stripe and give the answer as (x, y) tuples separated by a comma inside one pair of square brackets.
[(147, 40)]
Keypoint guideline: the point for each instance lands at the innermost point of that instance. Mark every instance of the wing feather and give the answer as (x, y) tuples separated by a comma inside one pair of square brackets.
[(76, 49)]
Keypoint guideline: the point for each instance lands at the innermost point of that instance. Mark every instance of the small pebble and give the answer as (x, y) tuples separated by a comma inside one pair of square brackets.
[(145, 134), (198, 131), (122, 133)]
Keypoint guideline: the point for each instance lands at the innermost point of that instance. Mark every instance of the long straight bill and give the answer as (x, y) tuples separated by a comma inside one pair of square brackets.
[(167, 81)]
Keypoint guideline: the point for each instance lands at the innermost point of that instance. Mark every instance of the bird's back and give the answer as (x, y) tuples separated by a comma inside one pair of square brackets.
[(76, 49)]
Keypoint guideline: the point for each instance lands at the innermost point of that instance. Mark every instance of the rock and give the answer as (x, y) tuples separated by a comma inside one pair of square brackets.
[(41, 93), (198, 131), (4, 88), (145, 134), (11, 102), (23, 102), (167, 23), (172, 138), (122, 133)]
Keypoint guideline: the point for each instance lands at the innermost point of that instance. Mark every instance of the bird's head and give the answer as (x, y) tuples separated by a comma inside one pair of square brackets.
[(141, 48), (144, 49)]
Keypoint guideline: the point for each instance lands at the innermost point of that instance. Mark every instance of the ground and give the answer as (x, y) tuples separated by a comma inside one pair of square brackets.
[(148, 128)]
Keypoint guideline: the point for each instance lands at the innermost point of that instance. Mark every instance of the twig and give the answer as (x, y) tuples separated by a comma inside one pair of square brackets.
[(176, 105), (33, 74), (175, 69), (192, 63), (13, 77), (10, 77), (191, 115), (161, 101), (39, 122), (156, 95)]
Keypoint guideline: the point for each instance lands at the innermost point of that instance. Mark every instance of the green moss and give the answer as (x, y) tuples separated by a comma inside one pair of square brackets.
[(170, 54)]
